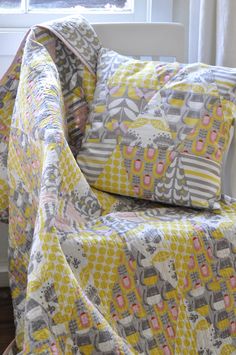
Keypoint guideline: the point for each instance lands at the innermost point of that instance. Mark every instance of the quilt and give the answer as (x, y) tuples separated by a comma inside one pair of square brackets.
[(91, 272)]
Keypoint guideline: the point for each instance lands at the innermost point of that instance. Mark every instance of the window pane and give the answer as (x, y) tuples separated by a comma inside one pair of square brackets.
[(95, 4), (9, 4)]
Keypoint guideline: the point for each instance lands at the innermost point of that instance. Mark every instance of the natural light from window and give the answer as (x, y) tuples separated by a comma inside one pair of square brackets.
[(34, 5), (27, 13), (9, 4)]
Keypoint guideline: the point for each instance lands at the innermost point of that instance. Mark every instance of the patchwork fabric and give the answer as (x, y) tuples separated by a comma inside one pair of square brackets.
[(94, 273), (77, 84), (159, 131)]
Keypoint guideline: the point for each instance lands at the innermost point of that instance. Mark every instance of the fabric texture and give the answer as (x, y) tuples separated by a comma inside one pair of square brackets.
[(159, 131), (77, 84), (91, 272), (212, 32)]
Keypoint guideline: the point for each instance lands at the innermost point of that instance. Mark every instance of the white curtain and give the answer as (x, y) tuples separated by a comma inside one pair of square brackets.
[(212, 32)]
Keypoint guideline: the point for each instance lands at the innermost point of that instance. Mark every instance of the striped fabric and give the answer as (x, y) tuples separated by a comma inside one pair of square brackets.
[(93, 163), (202, 176), (224, 78), (159, 131)]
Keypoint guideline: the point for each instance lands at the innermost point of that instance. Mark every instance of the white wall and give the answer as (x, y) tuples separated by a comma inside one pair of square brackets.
[(10, 40), (181, 14)]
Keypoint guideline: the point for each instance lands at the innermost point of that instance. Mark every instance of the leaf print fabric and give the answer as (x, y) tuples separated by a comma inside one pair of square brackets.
[(92, 272), (159, 130)]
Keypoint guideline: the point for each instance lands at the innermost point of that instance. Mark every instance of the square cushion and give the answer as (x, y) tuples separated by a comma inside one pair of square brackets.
[(158, 130)]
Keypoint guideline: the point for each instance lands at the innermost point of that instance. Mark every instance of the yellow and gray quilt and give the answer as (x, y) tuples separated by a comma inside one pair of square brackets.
[(91, 272)]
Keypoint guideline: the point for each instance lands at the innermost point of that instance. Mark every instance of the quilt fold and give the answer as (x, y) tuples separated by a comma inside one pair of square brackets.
[(91, 272)]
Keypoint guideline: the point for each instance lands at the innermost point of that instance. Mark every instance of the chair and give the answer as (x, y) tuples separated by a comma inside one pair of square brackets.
[(160, 41)]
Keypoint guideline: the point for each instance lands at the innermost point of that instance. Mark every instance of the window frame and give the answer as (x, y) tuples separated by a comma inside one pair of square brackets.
[(18, 18), (143, 11), (14, 25)]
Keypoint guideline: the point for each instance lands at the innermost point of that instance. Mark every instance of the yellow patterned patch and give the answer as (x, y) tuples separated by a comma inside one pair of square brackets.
[(135, 74), (69, 167), (114, 176), (89, 83), (106, 200), (4, 195), (185, 339), (103, 252)]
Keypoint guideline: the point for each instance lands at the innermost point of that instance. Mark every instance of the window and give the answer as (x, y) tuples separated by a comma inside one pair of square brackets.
[(25, 13), (95, 4), (65, 4), (8, 4), (16, 16)]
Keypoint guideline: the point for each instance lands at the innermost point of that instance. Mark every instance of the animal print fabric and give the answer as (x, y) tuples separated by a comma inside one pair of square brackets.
[(96, 273), (159, 130)]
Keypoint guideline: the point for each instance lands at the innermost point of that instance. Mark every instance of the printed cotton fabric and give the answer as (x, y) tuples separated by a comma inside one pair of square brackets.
[(158, 130), (90, 272)]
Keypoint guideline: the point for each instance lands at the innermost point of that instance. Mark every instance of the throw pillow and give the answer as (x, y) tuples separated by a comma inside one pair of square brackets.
[(158, 130)]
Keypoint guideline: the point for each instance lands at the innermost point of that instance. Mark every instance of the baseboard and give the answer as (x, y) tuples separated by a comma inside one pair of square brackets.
[(4, 279), (4, 282)]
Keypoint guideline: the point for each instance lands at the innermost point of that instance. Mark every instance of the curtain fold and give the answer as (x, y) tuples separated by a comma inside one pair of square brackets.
[(212, 32)]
